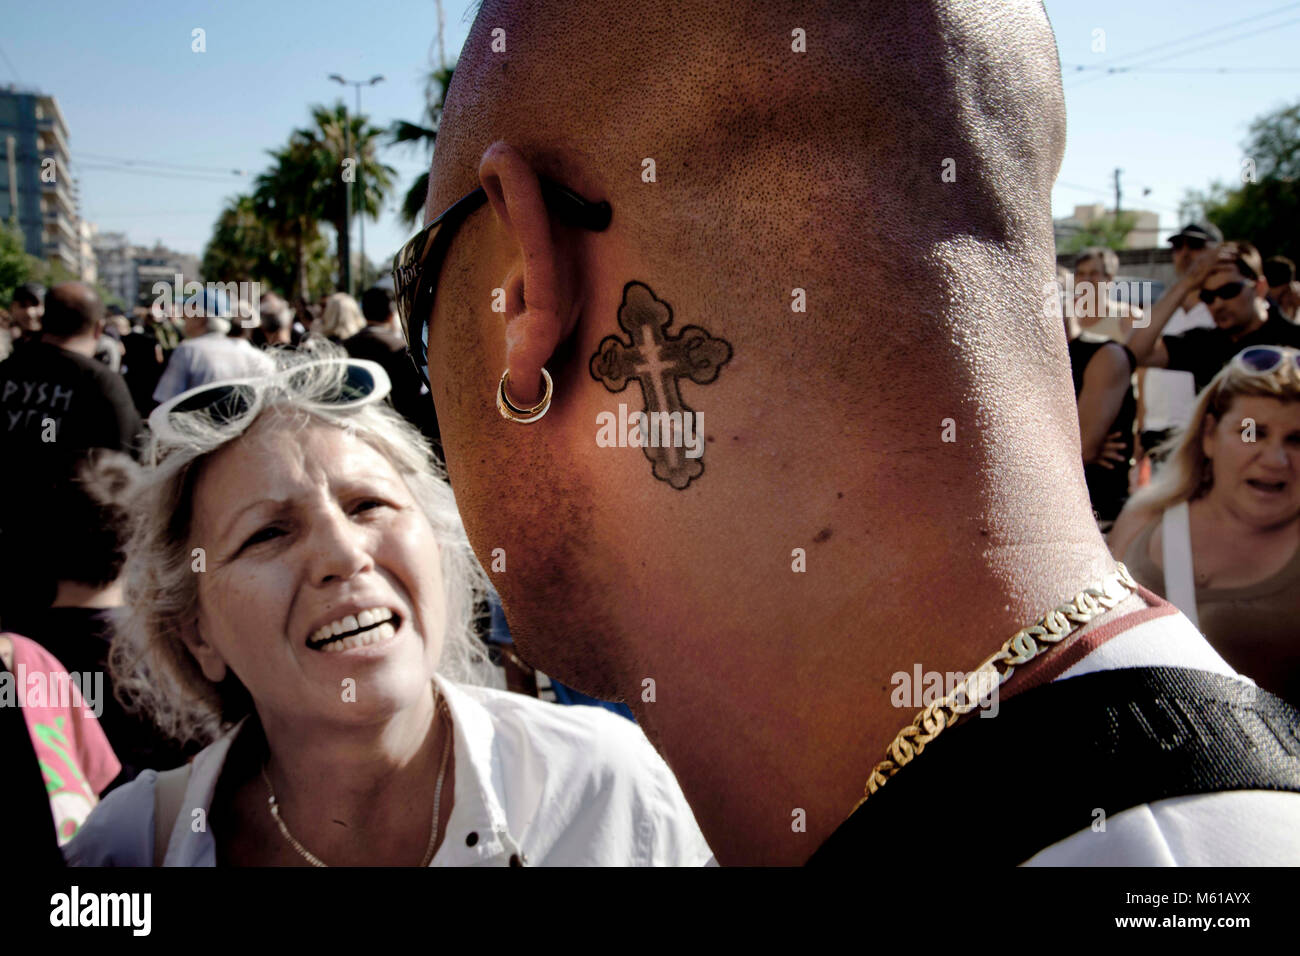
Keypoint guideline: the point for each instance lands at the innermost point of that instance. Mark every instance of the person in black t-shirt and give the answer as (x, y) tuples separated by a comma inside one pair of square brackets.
[(56, 402), (1232, 283), (378, 342), (83, 550), (55, 399), (142, 365)]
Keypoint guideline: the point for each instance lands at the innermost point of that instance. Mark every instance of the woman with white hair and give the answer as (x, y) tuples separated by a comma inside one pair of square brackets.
[(342, 318), (1217, 532), (299, 594)]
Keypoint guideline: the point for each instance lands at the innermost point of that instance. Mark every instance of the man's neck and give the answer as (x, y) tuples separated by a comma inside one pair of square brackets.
[(81, 344), (1257, 323), (773, 712)]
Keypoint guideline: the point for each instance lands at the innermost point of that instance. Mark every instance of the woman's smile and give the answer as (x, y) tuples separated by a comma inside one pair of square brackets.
[(353, 630)]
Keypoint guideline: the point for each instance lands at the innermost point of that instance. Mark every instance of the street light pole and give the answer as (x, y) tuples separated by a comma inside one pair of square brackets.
[(344, 245)]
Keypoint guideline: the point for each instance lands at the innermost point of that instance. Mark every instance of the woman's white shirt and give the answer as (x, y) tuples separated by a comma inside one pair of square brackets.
[(537, 784)]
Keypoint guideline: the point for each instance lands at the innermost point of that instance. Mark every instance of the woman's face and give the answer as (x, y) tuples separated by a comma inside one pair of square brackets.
[(310, 536), (1259, 481)]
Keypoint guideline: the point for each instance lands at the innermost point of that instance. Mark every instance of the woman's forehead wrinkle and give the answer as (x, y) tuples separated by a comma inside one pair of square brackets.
[(261, 464)]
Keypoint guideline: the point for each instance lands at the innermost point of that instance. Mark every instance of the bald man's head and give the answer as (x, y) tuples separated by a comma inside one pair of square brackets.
[(865, 170), (72, 309), (853, 202)]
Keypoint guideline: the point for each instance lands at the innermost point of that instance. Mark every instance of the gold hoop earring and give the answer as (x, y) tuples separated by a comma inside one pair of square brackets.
[(524, 416)]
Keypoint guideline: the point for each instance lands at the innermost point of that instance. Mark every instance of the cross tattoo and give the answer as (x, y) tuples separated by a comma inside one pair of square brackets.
[(659, 362)]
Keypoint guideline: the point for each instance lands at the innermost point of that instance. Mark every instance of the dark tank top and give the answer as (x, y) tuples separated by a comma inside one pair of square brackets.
[(1255, 628), (1107, 487)]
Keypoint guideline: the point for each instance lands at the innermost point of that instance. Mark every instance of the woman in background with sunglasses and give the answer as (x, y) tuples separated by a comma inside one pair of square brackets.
[(299, 594), (1217, 532)]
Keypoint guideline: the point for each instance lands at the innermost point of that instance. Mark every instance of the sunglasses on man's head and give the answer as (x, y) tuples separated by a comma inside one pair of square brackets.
[(1229, 290), (417, 264), (1262, 359), (1179, 242)]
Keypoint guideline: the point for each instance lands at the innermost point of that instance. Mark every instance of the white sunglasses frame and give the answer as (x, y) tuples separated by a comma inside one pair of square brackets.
[(1287, 353), (161, 429)]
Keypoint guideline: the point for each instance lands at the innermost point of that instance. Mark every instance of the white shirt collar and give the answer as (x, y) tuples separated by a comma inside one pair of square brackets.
[(477, 831)]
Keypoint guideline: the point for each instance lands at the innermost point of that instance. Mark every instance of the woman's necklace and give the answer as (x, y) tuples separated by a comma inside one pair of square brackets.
[(314, 860)]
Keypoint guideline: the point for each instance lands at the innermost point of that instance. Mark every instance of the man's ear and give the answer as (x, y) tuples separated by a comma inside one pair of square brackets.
[(210, 661), (539, 291)]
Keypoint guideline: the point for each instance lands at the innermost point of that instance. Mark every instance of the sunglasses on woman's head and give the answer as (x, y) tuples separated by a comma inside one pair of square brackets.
[(1262, 359), (1229, 290), (191, 415), (417, 264)]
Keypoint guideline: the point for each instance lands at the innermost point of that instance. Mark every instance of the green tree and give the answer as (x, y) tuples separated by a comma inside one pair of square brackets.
[(244, 245), (322, 148), (285, 200), (1110, 232), (1264, 206), (422, 137), (14, 267), (240, 246), (17, 267)]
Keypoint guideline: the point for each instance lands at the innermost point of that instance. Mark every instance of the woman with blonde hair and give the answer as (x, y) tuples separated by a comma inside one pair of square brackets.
[(1217, 532), (342, 318), (299, 593)]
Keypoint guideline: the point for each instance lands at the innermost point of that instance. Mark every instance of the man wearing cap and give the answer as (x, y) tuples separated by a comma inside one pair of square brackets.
[(1230, 280), (208, 354), (1166, 396)]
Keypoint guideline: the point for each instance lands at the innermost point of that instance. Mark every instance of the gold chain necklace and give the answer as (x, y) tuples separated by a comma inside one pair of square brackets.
[(314, 860), (1020, 648)]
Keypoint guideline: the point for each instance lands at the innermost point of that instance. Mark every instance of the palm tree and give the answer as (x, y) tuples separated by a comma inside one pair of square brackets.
[(422, 137), (323, 147), (240, 242), (286, 199)]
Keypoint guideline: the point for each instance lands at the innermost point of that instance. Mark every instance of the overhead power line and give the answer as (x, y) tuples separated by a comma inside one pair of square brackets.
[(1207, 69), (154, 173), (1252, 19), (182, 167), (1111, 67), (1107, 193)]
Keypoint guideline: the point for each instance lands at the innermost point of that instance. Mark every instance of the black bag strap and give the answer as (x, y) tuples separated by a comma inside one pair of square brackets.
[(1001, 788)]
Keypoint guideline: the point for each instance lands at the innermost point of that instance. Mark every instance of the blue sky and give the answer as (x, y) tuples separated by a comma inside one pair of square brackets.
[(131, 88)]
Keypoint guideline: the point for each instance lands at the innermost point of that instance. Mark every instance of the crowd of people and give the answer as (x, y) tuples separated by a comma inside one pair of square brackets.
[(76, 400), (243, 514), (1189, 422)]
